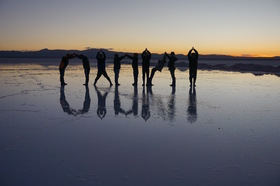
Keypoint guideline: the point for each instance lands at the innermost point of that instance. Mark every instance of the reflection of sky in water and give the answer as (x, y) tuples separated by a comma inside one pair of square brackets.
[(225, 132)]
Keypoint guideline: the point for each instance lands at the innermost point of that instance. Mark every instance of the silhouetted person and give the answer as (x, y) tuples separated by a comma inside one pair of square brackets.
[(145, 113), (192, 111), (135, 67), (117, 102), (146, 57), (86, 66), (101, 110), (101, 58), (159, 67), (193, 58), (171, 67), (134, 109), (62, 66), (87, 101), (117, 67), (65, 105)]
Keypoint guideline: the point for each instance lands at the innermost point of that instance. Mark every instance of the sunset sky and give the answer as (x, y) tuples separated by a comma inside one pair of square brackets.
[(232, 27)]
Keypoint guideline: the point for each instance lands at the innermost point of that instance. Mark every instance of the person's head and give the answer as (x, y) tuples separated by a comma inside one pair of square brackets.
[(172, 54), (100, 55), (116, 55)]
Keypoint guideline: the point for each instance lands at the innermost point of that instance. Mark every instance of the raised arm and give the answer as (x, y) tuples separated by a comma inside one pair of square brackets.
[(130, 57), (97, 54), (149, 53), (142, 55), (121, 58), (104, 55), (195, 52), (189, 54), (168, 56)]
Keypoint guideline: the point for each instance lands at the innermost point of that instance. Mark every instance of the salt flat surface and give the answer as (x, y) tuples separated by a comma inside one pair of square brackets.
[(225, 132)]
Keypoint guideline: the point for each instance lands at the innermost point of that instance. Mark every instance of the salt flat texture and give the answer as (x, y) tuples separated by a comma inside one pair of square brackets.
[(224, 133)]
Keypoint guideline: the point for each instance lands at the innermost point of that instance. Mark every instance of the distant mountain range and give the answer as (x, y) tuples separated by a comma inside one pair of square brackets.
[(91, 53)]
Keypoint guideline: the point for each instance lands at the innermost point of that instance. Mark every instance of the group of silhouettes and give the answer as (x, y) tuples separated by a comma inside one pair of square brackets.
[(146, 57)]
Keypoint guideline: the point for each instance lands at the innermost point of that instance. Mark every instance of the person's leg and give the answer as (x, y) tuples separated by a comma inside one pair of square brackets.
[(172, 72), (194, 78), (190, 76), (97, 77), (173, 78), (135, 74), (143, 76), (117, 71), (147, 73), (62, 71), (152, 75), (87, 76), (107, 77)]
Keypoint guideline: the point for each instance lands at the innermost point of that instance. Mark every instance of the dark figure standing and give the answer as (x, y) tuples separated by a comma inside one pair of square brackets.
[(86, 66), (146, 57), (101, 58), (63, 64), (159, 67), (171, 67), (117, 67), (135, 67), (193, 58)]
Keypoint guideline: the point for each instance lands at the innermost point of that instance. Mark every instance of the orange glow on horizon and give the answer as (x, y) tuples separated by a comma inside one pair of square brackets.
[(153, 50)]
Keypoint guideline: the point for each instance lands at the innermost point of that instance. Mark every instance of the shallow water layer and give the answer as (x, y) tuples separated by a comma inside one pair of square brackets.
[(223, 132)]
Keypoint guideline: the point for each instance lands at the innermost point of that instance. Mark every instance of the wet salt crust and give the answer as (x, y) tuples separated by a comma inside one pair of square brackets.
[(226, 132)]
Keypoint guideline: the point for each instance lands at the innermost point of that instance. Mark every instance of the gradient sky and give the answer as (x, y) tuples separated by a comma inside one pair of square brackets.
[(233, 27)]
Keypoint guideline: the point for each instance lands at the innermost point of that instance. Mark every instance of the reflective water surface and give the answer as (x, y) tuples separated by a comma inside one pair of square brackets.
[(223, 132)]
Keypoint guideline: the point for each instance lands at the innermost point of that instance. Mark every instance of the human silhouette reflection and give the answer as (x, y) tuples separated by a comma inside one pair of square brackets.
[(171, 105), (101, 110), (145, 113), (64, 104), (66, 107), (117, 102), (134, 109), (87, 102), (192, 111)]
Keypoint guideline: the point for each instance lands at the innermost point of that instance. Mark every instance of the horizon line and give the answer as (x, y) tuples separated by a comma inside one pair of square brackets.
[(112, 50)]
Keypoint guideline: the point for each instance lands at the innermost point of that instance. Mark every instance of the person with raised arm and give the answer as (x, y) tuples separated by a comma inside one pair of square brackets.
[(117, 67), (171, 66), (135, 67), (146, 57), (101, 58), (193, 58)]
